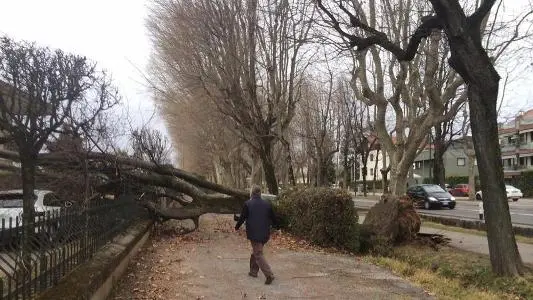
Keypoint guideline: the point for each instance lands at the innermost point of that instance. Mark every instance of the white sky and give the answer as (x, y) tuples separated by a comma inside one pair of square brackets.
[(112, 33)]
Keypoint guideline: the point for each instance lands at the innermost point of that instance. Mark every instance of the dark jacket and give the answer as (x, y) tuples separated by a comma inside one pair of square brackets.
[(259, 216)]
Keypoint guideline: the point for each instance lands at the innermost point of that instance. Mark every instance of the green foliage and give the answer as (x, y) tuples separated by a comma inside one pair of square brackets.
[(323, 216), (525, 183)]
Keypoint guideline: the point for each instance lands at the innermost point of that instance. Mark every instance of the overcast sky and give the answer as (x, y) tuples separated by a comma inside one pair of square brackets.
[(112, 32)]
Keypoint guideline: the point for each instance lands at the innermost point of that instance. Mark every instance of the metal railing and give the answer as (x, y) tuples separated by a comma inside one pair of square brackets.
[(61, 240)]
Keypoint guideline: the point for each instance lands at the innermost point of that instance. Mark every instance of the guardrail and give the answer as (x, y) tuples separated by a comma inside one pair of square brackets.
[(61, 240)]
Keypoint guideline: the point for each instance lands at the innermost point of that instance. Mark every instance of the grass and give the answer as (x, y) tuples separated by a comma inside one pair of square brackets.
[(450, 273), (519, 238)]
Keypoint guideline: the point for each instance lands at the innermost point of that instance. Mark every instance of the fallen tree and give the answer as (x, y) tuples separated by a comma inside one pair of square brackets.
[(143, 178)]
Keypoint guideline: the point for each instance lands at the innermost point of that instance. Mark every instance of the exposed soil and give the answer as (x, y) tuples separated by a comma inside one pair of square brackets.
[(212, 263)]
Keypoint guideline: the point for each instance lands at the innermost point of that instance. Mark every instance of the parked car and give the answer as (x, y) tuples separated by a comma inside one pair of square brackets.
[(11, 207), (460, 190), (512, 193), (431, 196)]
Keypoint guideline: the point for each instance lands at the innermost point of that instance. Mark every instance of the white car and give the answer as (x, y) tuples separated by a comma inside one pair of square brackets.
[(46, 202), (512, 193)]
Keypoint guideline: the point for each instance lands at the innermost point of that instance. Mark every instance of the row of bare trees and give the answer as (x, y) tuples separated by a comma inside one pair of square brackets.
[(273, 90)]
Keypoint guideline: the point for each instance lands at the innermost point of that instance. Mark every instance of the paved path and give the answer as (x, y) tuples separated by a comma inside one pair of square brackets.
[(213, 264), (477, 243), (472, 242)]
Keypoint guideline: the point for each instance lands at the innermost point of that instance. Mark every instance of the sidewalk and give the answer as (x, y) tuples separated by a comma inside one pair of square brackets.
[(212, 263), (472, 242), (477, 243)]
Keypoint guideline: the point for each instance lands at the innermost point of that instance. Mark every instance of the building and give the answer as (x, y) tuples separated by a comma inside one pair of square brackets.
[(376, 161), (455, 162), (516, 142)]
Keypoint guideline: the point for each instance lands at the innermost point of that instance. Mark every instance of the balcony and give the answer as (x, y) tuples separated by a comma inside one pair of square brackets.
[(516, 168)]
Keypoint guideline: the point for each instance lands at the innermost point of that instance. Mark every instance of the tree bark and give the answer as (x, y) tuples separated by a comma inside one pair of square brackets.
[(364, 172), (439, 172), (471, 174), (28, 166), (269, 168), (290, 169), (375, 172), (503, 250), (399, 184), (384, 171), (470, 60)]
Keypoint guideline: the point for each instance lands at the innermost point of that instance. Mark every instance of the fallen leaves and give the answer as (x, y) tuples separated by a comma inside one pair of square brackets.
[(284, 240)]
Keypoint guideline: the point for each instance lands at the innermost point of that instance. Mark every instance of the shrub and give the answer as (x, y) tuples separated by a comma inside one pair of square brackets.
[(323, 216), (525, 183)]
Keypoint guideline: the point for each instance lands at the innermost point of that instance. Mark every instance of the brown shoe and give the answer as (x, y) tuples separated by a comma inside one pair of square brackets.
[(269, 279), (252, 274)]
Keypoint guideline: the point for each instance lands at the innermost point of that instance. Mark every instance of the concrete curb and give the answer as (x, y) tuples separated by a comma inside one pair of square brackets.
[(473, 224), (95, 279)]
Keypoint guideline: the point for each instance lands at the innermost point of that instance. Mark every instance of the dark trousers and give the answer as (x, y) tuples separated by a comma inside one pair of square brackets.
[(258, 261)]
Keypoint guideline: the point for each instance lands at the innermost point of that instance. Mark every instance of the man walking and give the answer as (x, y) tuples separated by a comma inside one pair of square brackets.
[(259, 216)]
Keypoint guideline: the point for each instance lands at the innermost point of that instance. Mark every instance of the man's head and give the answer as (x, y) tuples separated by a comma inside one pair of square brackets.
[(256, 191)]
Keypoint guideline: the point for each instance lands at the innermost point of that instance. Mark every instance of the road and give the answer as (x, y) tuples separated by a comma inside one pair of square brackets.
[(521, 211)]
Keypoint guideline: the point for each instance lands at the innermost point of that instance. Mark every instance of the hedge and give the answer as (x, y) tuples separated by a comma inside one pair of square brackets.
[(524, 182), (323, 216)]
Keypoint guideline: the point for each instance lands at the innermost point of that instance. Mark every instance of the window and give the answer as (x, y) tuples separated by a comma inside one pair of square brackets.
[(461, 161), (371, 158), (371, 171)]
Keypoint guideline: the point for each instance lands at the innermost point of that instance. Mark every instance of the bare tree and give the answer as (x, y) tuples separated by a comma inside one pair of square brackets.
[(40, 90), (408, 89), (469, 59), (150, 145), (215, 49)]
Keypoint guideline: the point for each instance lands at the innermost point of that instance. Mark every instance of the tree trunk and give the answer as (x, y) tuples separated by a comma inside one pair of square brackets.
[(292, 178), (375, 173), (439, 172), (319, 175), (471, 61), (269, 169), (364, 172), (471, 174), (346, 167), (384, 171), (503, 250), (28, 165), (399, 183)]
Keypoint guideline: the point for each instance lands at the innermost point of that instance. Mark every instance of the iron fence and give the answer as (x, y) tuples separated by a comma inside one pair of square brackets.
[(62, 239)]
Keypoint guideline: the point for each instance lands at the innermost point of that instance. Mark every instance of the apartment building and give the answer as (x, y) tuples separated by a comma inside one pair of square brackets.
[(516, 142)]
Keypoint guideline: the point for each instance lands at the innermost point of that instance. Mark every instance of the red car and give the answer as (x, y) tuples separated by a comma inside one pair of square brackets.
[(460, 190)]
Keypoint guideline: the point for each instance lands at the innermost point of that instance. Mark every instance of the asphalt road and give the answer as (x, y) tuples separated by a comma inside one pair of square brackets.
[(521, 211)]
